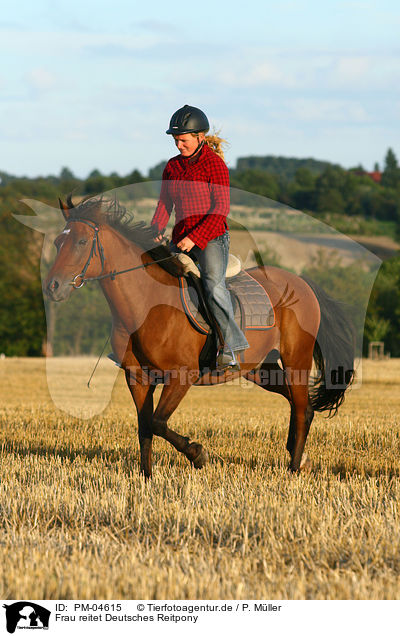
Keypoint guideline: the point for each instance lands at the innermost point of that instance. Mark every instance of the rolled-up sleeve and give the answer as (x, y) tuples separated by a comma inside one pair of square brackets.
[(164, 206)]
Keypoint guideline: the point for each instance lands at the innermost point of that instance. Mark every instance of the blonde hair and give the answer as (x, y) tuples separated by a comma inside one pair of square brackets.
[(215, 143)]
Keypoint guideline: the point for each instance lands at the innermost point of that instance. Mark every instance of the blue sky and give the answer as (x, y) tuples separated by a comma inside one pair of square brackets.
[(93, 84)]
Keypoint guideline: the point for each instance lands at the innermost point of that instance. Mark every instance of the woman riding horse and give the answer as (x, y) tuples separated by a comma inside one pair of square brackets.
[(201, 210)]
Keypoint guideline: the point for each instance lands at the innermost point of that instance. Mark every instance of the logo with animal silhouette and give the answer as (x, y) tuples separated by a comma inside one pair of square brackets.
[(26, 615)]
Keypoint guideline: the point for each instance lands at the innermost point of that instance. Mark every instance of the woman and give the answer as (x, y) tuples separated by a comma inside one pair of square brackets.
[(196, 182)]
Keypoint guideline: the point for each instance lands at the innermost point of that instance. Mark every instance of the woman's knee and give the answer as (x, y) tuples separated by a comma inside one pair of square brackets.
[(212, 282), (217, 292)]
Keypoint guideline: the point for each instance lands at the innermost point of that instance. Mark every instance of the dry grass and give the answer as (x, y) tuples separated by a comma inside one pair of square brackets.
[(77, 521)]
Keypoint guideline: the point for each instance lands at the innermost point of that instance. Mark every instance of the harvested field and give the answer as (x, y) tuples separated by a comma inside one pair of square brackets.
[(77, 520)]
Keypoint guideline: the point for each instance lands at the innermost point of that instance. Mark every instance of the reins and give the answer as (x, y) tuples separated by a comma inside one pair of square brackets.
[(97, 243)]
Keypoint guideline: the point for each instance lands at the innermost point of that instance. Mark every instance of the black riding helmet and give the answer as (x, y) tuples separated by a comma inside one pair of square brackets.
[(188, 119)]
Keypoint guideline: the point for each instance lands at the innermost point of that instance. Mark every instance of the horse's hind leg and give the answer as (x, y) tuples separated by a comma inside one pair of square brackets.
[(172, 394), (301, 414), (291, 441), (294, 387)]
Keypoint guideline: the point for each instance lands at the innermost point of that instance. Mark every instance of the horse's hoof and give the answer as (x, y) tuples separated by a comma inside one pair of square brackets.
[(201, 458), (305, 465)]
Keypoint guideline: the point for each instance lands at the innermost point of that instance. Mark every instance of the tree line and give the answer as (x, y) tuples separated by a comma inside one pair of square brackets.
[(325, 190)]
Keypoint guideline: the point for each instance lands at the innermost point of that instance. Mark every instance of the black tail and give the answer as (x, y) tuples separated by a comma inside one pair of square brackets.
[(333, 354)]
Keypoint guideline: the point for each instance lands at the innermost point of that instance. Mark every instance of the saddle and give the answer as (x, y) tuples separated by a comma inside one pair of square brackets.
[(252, 306), (233, 268)]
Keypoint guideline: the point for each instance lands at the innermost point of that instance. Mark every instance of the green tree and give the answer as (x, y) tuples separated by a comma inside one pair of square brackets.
[(67, 182), (134, 177), (328, 191), (376, 329), (22, 321), (301, 191), (257, 181), (155, 173), (348, 284), (66, 174), (384, 306), (83, 322), (96, 183), (391, 171)]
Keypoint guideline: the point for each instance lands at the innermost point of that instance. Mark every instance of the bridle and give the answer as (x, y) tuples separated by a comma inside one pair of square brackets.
[(98, 248), (95, 243)]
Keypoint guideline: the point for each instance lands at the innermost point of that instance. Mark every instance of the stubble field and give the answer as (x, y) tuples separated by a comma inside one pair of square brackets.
[(77, 520)]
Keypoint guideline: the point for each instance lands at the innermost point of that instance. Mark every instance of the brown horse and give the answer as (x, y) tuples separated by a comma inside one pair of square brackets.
[(153, 339)]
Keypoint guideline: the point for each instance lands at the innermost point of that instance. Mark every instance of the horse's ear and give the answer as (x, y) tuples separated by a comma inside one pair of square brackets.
[(64, 209)]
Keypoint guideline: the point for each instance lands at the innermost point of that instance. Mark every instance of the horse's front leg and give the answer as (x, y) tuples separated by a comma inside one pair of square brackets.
[(142, 392), (172, 394)]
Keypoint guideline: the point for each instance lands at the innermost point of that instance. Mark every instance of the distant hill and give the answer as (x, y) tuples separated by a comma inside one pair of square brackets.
[(283, 166)]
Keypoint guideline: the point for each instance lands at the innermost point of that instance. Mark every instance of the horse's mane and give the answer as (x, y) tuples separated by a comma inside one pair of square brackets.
[(110, 211)]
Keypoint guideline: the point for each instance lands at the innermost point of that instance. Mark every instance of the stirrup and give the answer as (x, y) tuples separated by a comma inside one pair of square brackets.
[(226, 360), (114, 359)]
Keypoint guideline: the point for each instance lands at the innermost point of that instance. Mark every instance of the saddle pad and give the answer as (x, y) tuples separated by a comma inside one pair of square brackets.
[(251, 304)]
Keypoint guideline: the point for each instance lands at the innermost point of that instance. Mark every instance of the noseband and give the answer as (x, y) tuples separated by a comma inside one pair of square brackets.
[(97, 247)]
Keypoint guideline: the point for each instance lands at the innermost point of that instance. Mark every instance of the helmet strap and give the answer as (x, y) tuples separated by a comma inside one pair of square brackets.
[(199, 147)]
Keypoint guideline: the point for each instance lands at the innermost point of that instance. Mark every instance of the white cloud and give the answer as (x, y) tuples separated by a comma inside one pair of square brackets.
[(260, 74), (328, 110), (40, 79), (159, 26), (352, 69)]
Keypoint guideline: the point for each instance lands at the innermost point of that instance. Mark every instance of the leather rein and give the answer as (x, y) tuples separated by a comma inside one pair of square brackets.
[(97, 248)]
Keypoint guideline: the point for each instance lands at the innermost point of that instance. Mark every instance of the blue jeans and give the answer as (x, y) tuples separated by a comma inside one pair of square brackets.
[(213, 261)]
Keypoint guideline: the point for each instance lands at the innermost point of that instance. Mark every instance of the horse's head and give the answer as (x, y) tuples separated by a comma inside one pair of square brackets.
[(79, 255)]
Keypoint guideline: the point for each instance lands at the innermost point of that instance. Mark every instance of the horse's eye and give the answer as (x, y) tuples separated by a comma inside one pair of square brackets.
[(82, 241)]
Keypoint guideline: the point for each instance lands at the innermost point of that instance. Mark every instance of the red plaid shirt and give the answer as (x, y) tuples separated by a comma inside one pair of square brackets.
[(199, 190)]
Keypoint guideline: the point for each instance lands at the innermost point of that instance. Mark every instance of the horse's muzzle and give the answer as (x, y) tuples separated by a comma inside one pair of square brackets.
[(57, 290)]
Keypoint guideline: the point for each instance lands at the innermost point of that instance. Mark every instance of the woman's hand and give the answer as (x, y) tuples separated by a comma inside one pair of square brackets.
[(186, 244), (158, 238)]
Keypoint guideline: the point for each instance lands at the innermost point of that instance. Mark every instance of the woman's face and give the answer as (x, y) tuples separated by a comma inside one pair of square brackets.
[(187, 144)]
